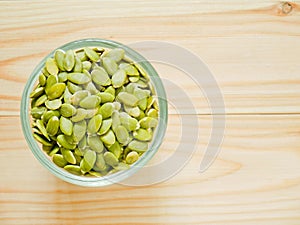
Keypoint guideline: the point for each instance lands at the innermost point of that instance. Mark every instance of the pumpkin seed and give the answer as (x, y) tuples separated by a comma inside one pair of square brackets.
[(100, 162), (110, 90), (67, 110), (116, 54), (41, 127), (78, 65), (69, 60), (129, 69), (118, 79), (53, 104), (106, 97), (51, 66), (41, 100), (116, 149), (78, 96), (79, 130), (122, 135), (37, 112), (106, 110), (37, 92), (68, 156), (47, 115), (127, 99), (90, 102), (91, 54), (52, 125), (95, 143), (61, 139), (41, 139), (56, 90), (42, 79), (73, 169), (59, 160), (73, 88), (142, 135), (88, 161), (79, 116), (109, 65), (94, 124), (108, 138), (105, 126), (110, 159), (138, 146), (62, 77), (66, 126), (78, 78), (148, 122), (132, 157), (59, 56), (100, 76), (86, 65)]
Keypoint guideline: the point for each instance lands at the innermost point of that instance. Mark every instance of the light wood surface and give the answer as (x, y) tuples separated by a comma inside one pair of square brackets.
[(251, 47)]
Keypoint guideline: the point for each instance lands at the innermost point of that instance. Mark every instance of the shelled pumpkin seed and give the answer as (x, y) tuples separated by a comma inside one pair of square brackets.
[(93, 111)]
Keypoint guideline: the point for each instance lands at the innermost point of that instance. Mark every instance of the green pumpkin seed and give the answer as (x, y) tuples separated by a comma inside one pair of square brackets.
[(118, 79), (68, 156), (142, 135), (106, 110), (105, 126), (78, 78), (91, 88), (82, 145), (51, 80), (148, 122), (95, 143), (94, 124), (41, 127), (62, 77), (88, 161), (67, 96), (52, 125), (91, 54), (78, 152), (47, 149), (59, 160), (152, 113), (79, 116), (108, 138), (78, 96), (110, 90), (115, 120), (116, 149), (53, 104), (67, 110), (134, 79), (121, 166), (117, 105), (37, 92), (127, 99), (73, 169), (73, 88), (100, 162), (110, 159), (45, 72), (122, 135), (81, 55), (56, 90), (59, 57), (61, 139), (79, 130), (86, 65), (69, 60), (95, 174), (41, 100), (47, 115), (106, 97), (129, 123), (90, 102), (51, 66), (37, 112), (138, 146), (129, 69), (130, 88), (100, 77), (116, 54), (66, 126), (78, 65), (54, 151), (109, 65), (41, 139), (132, 111), (42, 79), (132, 157), (90, 113)]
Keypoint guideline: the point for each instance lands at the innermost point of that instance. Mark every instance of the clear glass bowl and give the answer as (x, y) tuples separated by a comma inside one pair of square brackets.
[(108, 179)]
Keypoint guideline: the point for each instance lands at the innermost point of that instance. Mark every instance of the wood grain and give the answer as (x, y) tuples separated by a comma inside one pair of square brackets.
[(252, 49), (255, 179)]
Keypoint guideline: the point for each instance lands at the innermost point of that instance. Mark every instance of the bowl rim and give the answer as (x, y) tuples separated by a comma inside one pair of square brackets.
[(107, 179)]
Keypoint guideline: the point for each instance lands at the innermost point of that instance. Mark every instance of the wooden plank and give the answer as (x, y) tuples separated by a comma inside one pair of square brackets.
[(252, 48), (254, 180)]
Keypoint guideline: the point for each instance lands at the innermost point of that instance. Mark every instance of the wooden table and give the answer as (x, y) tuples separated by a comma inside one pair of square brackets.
[(251, 47)]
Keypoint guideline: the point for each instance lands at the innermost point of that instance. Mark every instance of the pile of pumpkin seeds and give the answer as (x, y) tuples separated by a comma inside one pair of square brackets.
[(93, 110)]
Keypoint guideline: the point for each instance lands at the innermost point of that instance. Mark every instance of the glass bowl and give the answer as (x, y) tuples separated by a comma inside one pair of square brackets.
[(158, 135)]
